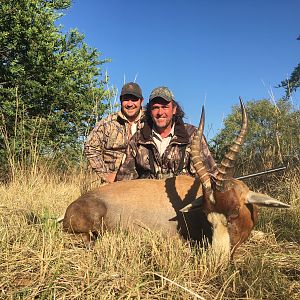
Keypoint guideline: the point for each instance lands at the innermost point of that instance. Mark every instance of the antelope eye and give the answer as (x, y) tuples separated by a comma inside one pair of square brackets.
[(234, 213)]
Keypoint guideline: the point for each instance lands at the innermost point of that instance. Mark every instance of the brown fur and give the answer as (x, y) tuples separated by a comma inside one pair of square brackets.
[(156, 204), (241, 217)]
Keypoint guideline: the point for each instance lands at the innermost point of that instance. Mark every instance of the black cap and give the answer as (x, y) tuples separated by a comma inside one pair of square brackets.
[(131, 88)]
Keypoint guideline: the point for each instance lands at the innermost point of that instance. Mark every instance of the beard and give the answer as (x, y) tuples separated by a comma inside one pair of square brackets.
[(162, 123), (132, 112)]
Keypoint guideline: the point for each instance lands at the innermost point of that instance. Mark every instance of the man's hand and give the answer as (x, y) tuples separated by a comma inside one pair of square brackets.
[(109, 178)]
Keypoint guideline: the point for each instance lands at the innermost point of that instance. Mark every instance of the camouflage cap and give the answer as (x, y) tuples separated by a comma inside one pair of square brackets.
[(131, 88), (162, 92)]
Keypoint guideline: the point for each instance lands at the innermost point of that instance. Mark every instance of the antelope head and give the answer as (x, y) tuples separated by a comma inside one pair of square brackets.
[(225, 196)]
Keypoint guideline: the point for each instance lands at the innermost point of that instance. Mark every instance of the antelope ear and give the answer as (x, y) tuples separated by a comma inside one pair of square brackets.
[(264, 200), (194, 204)]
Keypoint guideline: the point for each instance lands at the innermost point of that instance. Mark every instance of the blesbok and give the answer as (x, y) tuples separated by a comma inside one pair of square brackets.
[(224, 210)]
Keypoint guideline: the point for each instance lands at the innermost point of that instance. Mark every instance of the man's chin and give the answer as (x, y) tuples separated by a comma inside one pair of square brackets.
[(131, 114), (161, 126)]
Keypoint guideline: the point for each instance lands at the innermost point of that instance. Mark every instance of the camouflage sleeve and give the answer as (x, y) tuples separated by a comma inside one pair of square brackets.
[(127, 170), (94, 148)]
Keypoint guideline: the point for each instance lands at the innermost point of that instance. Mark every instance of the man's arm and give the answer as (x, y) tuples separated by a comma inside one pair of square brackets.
[(94, 148), (127, 170)]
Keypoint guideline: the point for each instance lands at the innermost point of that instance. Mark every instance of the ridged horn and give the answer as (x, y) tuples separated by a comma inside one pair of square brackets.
[(196, 152), (226, 167)]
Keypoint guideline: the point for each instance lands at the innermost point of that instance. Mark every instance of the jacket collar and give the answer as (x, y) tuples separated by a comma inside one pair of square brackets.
[(123, 119), (180, 133)]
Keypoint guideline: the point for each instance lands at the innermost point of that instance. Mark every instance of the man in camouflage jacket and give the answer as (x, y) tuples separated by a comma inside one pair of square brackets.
[(106, 144), (162, 147)]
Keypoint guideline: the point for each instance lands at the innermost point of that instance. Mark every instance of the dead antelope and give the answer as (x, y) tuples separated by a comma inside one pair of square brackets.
[(224, 210)]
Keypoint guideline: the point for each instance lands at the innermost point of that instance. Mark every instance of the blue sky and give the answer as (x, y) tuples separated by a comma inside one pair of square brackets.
[(206, 52)]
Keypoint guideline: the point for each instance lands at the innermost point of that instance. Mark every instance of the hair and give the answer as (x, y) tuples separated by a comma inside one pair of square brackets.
[(178, 117)]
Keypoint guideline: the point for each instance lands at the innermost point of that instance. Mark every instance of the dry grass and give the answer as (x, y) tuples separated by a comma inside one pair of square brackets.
[(38, 260)]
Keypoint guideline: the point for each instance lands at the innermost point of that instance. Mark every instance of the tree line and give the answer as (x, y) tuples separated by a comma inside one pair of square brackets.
[(273, 137), (53, 90)]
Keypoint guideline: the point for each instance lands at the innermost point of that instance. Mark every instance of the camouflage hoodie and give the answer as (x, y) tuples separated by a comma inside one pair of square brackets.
[(144, 161), (106, 144)]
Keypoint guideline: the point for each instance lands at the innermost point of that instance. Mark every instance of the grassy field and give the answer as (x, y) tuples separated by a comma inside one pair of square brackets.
[(39, 261)]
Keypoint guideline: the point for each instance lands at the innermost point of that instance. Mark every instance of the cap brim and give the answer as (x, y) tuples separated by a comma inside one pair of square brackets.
[(133, 94), (168, 100)]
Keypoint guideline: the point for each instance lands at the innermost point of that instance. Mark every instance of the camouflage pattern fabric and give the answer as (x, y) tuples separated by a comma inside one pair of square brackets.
[(162, 92), (174, 161), (106, 144)]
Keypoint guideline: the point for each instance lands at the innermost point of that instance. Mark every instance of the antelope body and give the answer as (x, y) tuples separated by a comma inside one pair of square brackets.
[(218, 207), (140, 204)]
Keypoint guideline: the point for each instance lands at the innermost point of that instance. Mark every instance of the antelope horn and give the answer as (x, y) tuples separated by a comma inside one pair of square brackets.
[(195, 155), (225, 170)]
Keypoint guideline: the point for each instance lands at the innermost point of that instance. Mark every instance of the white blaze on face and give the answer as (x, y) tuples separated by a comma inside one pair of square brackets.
[(220, 246)]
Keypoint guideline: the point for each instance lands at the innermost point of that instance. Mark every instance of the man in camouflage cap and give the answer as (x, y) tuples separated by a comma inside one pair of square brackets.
[(106, 144), (162, 147)]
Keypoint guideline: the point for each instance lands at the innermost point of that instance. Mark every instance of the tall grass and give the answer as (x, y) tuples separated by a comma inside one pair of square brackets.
[(38, 260)]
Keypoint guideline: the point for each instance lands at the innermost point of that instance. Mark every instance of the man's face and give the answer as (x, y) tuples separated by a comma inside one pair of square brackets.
[(162, 113), (131, 106)]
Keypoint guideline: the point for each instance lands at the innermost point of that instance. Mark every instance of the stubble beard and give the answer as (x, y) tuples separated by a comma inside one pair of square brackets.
[(162, 125), (131, 113)]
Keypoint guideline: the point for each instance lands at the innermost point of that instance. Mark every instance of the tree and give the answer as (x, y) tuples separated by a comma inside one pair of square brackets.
[(272, 140), (50, 83), (290, 85)]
